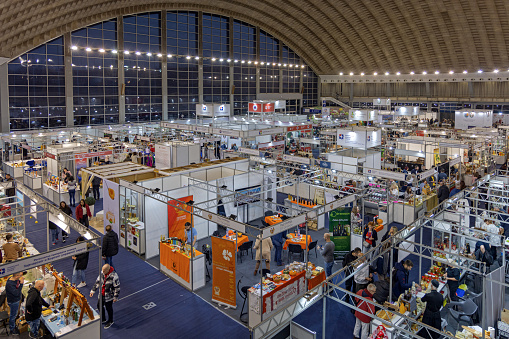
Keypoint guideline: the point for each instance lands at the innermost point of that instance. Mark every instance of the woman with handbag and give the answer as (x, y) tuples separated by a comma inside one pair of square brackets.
[(369, 237), (83, 213)]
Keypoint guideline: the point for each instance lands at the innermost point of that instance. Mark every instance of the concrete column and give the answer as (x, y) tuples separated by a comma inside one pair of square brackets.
[(164, 66), (69, 94), (121, 78)]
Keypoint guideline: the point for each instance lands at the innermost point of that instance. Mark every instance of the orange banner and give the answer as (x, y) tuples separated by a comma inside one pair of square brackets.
[(177, 218), (223, 272)]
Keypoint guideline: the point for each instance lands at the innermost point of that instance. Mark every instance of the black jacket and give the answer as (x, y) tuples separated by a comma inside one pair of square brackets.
[(110, 244), (13, 290), (52, 225), (67, 210), (34, 304), (382, 291), (443, 193), (96, 181), (347, 260), (81, 261)]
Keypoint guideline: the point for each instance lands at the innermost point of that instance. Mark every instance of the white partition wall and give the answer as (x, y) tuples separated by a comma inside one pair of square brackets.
[(155, 225)]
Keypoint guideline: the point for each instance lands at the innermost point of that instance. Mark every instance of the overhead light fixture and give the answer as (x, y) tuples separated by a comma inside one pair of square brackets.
[(137, 53), (243, 62), (232, 217), (398, 73), (412, 72), (351, 73), (149, 54), (88, 49), (188, 57), (465, 72), (213, 59), (437, 72), (101, 50), (196, 57), (126, 52), (159, 55), (228, 60), (362, 73), (495, 71), (74, 48), (169, 55), (424, 72), (190, 202), (340, 73), (375, 73), (479, 71), (451, 72), (386, 73)]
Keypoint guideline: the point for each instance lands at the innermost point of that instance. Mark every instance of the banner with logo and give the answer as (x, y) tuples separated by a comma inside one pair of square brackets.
[(111, 205), (339, 226), (223, 272), (177, 217)]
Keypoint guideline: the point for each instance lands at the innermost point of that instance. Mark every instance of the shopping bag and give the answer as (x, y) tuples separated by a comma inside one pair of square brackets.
[(379, 333)]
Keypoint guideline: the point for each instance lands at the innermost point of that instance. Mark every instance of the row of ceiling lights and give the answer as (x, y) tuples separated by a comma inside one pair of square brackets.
[(424, 72), (114, 51)]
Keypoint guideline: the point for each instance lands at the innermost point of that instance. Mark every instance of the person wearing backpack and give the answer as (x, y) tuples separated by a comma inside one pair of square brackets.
[(400, 278), (110, 245), (361, 329)]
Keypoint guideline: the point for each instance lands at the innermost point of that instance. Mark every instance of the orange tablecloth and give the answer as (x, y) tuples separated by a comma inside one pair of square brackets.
[(240, 240), (302, 241), (176, 262), (272, 219), (316, 280)]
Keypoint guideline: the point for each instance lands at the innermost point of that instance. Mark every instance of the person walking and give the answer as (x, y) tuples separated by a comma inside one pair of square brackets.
[(361, 329), (110, 291), (263, 253), (71, 187), (96, 183), (327, 253), (443, 192), (33, 306), (110, 245), (348, 262), (67, 210), (278, 241), (53, 230), (13, 287), (79, 266), (83, 213)]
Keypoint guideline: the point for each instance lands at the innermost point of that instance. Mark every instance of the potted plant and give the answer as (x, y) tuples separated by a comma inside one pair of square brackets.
[(90, 201)]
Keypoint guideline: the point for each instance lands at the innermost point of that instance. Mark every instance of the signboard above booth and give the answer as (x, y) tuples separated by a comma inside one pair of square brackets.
[(407, 110), (466, 119), (363, 115), (213, 110), (359, 138)]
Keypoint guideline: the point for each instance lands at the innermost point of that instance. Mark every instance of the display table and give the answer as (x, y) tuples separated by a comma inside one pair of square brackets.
[(274, 299), (14, 168), (431, 202), (292, 239), (316, 280), (272, 219), (32, 182), (297, 209), (177, 266), (89, 327), (240, 240)]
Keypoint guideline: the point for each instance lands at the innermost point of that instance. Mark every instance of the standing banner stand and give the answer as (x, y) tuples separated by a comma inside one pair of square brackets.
[(223, 272), (340, 227)]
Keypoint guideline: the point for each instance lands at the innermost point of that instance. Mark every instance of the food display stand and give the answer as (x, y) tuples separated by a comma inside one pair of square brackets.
[(297, 208), (176, 262), (32, 180), (281, 290), (136, 237)]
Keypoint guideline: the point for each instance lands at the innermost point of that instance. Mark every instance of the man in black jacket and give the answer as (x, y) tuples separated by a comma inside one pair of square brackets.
[(443, 192), (96, 182), (13, 287), (347, 261), (34, 306), (110, 245), (79, 267)]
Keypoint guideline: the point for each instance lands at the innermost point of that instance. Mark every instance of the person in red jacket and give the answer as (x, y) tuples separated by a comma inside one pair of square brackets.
[(361, 329), (83, 217)]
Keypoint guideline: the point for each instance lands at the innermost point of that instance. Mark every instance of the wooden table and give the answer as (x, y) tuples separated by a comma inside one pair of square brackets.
[(301, 242)]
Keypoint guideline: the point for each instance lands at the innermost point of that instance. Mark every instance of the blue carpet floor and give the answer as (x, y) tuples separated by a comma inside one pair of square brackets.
[(178, 313)]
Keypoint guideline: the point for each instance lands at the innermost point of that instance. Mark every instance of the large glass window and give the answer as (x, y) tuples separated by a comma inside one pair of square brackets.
[(216, 51), (182, 30), (231, 54), (142, 67), (37, 88), (95, 74)]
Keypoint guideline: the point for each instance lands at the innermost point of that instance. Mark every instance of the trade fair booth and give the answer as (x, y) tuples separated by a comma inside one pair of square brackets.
[(471, 118)]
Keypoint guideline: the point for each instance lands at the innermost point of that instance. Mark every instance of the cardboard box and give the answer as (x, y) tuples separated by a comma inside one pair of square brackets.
[(22, 325), (505, 316)]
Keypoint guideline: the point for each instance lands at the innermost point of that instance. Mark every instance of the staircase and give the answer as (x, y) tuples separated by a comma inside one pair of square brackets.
[(336, 101)]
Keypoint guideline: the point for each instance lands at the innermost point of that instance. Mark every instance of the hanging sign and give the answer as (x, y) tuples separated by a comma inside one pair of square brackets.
[(255, 107), (249, 151), (299, 128), (111, 206), (80, 156), (455, 161), (223, 271), (426, 174), (293, 158), (268, 107), (386, 174), (179, 212)]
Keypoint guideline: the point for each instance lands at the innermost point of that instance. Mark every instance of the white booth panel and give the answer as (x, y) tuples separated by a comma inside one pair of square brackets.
[(200, 175), (227, 172), (170, 183), (214, 173), (155, 226), (154, 183)]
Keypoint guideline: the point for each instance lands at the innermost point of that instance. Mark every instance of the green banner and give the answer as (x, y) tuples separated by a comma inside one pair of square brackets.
[(339, 226)]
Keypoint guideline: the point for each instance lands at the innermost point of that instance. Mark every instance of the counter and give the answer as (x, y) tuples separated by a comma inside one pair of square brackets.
[(136, 237), (33, 182), (177, 266), (89, 327), (58, 195), (406, 214), (14, 168)]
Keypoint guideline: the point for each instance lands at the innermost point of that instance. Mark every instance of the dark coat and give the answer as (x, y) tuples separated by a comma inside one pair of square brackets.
[(434, 302), (34, 304), (401, 282), (96, 181), (382, 291), (374, 235), (110, 244), (81, 261), (443, 193)]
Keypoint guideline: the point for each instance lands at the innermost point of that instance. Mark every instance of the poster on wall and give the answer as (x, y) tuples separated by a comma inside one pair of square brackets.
[(177, 218), (349, 138), (223, 272), (339, 226), (111, 205)]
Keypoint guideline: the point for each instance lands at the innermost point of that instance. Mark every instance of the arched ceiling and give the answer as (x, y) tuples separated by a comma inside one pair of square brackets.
[(330, 35)]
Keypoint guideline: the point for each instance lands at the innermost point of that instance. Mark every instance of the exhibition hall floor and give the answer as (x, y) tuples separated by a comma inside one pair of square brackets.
[(177, 313)]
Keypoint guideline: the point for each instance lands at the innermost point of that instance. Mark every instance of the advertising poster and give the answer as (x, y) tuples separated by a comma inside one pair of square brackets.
[(436, 156), (339, 226), (177, 218), (223, 272), (111, 206)]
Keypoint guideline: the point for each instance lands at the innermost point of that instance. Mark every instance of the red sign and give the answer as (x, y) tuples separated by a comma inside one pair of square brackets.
[(80, 156), (299, 128), (255, 107), (49, 155), (268, 107)]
